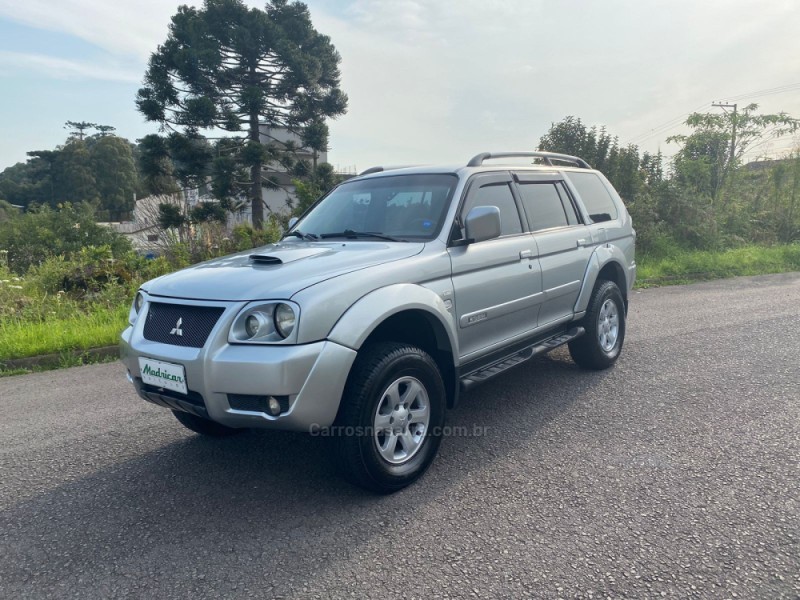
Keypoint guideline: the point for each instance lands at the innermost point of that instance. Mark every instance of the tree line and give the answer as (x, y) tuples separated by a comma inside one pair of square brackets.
[(98, 168)]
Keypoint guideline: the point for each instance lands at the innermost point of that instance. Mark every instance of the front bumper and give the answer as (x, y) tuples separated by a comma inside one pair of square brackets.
[(308, 378)]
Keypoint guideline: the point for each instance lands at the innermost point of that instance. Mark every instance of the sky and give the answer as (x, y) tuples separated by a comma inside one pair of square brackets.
[(431, 81)]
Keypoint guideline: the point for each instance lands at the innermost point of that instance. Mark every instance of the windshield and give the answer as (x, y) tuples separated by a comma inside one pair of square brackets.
[(401, 206)]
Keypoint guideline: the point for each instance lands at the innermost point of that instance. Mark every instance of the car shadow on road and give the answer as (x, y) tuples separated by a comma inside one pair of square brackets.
[(270, 492)]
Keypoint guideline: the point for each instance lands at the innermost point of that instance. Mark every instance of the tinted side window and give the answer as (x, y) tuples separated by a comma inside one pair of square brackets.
[(499, 195), (595, 196), (543, 205)]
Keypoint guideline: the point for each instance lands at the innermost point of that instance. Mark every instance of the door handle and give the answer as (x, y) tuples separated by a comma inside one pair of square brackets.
[(583, 242), (525, 254)]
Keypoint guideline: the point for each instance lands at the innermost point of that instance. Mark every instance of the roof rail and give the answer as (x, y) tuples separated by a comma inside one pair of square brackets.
[(548, 157), (371, 170), (380, 169)]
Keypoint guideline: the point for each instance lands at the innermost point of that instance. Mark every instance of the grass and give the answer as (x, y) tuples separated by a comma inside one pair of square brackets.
[(686, 266), (81, 331)]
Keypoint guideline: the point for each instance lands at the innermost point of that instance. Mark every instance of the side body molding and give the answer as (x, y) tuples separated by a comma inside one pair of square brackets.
[(361, 319), (601, 256)]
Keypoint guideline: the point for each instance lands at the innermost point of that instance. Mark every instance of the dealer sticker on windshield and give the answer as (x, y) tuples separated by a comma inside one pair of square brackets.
[(163, 374)]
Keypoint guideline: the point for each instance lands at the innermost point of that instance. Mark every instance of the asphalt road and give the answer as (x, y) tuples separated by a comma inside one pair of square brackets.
[(674, 474)]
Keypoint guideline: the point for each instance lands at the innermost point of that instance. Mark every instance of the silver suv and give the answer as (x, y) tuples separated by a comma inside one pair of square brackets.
[(395, 293)]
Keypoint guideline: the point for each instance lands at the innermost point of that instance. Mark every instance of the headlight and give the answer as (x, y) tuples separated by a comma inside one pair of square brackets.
[(138, 302), (136, 307), (284, 320), (264, 323), (251, 325)]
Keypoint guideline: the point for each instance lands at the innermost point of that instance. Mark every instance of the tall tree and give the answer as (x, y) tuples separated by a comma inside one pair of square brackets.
[(37, 182), (156, 170), (78, 129), (237, 71), (115, 175), (73, 178), (104, 130)]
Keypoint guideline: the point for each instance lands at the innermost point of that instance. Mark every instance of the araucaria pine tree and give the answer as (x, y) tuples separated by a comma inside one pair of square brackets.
[(229, 72)]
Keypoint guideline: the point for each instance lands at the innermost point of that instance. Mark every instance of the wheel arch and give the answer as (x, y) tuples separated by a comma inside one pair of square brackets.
[(606, 264), (404, 313)]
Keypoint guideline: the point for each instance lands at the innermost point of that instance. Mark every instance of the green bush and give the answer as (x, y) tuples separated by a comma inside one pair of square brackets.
[(32, 237), (92, 269), (245, 237)]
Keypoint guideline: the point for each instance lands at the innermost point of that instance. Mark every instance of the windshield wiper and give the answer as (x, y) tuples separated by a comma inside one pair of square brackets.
[(303, 236), (349, 233)]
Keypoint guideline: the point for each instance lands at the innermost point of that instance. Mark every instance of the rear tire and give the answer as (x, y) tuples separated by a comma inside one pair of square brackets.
[(389, 425), (600, 346), (204, 426)]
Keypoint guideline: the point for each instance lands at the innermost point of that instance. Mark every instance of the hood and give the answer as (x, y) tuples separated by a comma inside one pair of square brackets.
[(278, 270)]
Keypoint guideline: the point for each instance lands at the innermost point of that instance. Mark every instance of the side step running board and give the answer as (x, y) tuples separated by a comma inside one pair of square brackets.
[(474, 378)]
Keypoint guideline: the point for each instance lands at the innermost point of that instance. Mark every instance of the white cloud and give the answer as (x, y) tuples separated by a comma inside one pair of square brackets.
[(59, 68), (122, 27)]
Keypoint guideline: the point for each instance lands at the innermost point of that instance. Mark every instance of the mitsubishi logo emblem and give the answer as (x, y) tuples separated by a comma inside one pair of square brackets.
[(178, 329)]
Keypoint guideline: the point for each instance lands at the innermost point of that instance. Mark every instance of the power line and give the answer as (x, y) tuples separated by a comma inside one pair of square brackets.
[(677, 121), (789, 87), (666, 126)]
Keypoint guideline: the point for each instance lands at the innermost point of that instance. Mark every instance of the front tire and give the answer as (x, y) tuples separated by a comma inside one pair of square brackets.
[(600, 346), (204, 426), (389, 425)]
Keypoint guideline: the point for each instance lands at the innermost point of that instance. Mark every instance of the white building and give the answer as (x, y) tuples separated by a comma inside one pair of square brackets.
[(143, 230)]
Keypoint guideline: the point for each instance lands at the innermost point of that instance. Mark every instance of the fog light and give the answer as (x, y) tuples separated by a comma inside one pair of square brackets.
[(274, 407)]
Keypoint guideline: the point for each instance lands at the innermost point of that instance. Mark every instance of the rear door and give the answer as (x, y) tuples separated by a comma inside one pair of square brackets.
[(497, 283), (563, 241)]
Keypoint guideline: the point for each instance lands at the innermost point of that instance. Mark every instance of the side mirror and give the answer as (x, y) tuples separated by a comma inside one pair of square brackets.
[(293, 221), (482, 223)]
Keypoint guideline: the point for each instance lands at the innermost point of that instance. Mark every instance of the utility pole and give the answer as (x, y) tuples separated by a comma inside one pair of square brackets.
[(733, 127), (730, 164)]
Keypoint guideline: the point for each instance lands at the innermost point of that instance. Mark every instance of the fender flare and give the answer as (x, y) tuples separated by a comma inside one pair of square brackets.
[(602, 255), (362, 318)]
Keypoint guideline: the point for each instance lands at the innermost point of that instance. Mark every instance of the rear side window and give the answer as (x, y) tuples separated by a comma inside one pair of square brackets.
[(543, 205), (595, 196), (499, 195)]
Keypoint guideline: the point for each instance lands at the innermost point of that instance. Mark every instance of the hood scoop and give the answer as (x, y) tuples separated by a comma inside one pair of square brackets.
[(266, 259), (279, 255)]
